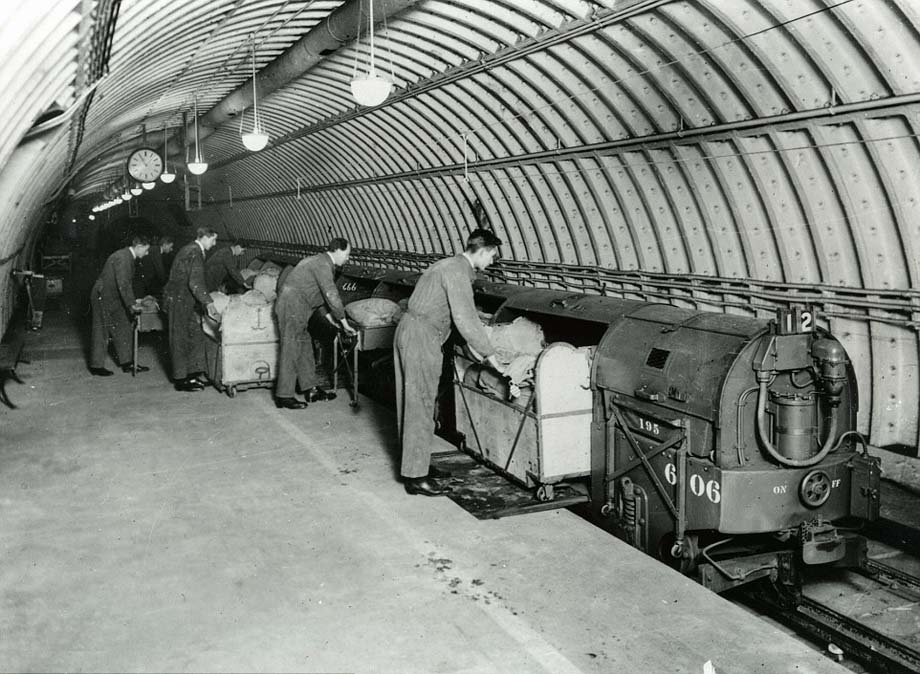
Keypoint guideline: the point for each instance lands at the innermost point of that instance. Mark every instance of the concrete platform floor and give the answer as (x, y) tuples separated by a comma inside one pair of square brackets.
[(148, 530)]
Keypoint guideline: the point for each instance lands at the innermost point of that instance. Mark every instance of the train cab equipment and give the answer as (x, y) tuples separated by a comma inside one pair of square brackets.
[(718, 427)]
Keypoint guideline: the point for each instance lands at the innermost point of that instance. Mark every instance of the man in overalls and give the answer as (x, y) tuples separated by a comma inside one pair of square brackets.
[(443, 295), (308, 286), (113, 302)]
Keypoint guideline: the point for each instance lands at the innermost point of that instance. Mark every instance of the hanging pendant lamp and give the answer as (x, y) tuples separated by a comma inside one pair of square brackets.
[(126, 192), (197, 167), (369, 89), (166, 176), (256, 139)]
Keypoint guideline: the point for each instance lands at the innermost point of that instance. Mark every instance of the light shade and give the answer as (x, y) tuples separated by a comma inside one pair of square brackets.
[(255, 140), (197, 167), (371, 90), (166, 176), (137, 191), (126, 196), (148, 186)]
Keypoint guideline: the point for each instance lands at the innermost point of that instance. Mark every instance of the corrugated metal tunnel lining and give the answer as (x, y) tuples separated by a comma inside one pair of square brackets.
[(734, 156)]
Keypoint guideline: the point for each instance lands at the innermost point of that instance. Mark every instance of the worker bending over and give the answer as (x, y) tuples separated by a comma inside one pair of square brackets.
[(443, 295), (112, 300), (186, 298), (221, 269), (308, 286)]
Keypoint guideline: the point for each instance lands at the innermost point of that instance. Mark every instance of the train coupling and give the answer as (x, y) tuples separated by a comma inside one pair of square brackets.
[(822, 543)]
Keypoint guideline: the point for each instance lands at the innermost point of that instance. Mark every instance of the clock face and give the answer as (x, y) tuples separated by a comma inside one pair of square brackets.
[(145, 165)]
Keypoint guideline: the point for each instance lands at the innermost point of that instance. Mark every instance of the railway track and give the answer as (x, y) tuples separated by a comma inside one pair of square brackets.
[(871, 614)]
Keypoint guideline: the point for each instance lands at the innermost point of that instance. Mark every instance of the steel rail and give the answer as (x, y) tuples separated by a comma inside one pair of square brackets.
[(860, 642), (895, 580)]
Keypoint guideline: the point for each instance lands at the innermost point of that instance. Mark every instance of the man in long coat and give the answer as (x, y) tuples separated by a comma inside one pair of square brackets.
[(186, 297), (112, 300), (443, 295), (308, 286)]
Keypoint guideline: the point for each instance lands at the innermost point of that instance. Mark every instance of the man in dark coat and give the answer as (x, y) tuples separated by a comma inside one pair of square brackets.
[(112, 299), (186, 297), (221, 267), (161, 260), (307, 287), (443, 295), (153, 270)]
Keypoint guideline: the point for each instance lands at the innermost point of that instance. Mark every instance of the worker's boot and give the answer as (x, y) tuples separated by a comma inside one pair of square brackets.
[(425, 486), (189, 384), (289, 404), (316, 394)]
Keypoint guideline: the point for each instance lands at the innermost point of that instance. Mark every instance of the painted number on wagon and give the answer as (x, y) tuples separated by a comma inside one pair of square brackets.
[(711, 489), (649, 426)]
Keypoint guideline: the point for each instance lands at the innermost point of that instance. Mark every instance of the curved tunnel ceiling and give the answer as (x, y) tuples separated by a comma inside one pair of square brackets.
[(727, 155)]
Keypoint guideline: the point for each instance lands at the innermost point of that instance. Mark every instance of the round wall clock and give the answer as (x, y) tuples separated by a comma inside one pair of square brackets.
[(145, 165)]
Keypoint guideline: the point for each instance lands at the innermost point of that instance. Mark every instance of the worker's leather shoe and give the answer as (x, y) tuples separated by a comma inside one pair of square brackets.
[(316, 394), (139, 368), (425, 486), (189, 385), (438, 474), (289, 404), (100, 372)]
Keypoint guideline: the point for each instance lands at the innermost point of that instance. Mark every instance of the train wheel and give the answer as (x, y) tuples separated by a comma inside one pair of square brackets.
[(546, 492), (231, 392), (689, 556), (684, 559)]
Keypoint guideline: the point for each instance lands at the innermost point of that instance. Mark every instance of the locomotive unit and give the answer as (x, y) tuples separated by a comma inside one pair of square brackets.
[(724, 445)]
